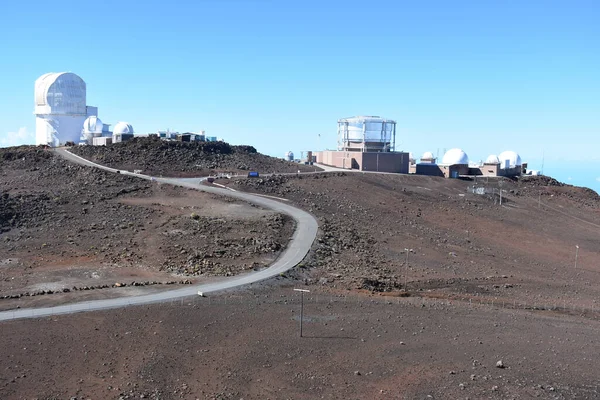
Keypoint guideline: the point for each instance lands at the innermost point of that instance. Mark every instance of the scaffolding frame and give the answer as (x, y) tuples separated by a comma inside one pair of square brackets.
[(367, 145)]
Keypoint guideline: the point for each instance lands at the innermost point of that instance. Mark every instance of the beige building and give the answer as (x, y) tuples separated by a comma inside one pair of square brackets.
[(365, 161)]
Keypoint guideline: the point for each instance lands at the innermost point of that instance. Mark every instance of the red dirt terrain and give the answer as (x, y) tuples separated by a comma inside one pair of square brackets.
[(73, 232), (485, 303), (157, 157)]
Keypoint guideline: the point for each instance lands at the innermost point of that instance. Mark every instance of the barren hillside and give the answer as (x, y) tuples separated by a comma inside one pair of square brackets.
[(459, 243), (419, 288), (64, 227), (158, 157)]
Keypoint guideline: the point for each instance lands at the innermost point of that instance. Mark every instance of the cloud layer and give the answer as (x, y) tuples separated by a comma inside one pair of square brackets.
[(22, 136)]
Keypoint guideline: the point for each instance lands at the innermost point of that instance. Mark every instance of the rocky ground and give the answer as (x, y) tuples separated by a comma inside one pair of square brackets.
[(67, 228), (179, 159), (419, 289), (246, 345), (433, 236)]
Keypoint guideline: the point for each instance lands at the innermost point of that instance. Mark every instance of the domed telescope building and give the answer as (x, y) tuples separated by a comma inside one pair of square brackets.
[(366, 143), (92, 127), (367, 134), (60, 108), (122, 132)]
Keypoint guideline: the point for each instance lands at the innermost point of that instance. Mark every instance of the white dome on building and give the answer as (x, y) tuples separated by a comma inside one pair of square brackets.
[(122, 127), (61, 93), (455, 156), (510, 157), (60, 108), (427, 156), (92, 125), (492, 159)]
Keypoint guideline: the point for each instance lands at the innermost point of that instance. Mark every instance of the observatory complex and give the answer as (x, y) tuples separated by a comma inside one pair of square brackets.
[(62, 115), (60, 108), (366, 143), (455, 163)]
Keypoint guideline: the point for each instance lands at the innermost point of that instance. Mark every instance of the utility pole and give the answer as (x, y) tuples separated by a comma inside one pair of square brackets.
[(302, 291)]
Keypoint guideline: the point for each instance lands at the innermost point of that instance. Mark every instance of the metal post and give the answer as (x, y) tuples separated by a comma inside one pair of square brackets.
[(301, 306), (301, 311)]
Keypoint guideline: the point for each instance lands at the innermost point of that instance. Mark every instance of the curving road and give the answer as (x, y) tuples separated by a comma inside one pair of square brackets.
[(298, 247)]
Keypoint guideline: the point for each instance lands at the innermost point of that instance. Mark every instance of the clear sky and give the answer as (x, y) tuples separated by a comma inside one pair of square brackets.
[(485, 76)]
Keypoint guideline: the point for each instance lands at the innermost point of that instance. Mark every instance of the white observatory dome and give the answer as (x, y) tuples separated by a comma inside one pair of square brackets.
[(60, 108), (427, 156), (92, 125), (122, 127), (492, 159), (455, 156), (511, 158), (61, 93)]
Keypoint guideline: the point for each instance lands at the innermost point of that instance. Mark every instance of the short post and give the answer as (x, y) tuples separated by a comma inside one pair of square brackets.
[(406, 272), (301, 306), (576, 254)]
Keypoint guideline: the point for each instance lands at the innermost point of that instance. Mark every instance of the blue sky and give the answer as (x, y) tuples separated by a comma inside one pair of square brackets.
[(485, 76)]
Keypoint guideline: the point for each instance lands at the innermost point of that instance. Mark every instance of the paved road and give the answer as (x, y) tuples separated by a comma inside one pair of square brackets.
[(306, 231)]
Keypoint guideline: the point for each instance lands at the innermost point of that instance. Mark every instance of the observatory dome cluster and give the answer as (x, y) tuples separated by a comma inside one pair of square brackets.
[(455, 162), (368, 143), (63, 116)]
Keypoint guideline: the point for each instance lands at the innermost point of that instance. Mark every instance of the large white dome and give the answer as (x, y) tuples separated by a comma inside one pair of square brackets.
[(455, 156), (61, 93), (427, 156), (122, 127), (92, 125), (513, 159), (492, 159)]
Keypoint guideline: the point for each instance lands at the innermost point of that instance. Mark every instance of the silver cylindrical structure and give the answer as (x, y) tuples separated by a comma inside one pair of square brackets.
[(366, 133)]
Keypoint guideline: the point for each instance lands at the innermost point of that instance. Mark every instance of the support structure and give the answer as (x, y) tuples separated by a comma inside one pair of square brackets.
[(366, 134), (302, 291)]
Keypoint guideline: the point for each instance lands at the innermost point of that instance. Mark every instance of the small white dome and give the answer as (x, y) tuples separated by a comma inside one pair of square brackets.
[(455, 156), (514, 160), (427, 156), (122, 127), (92, 125), (492, 159)]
